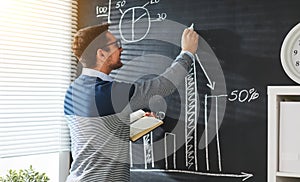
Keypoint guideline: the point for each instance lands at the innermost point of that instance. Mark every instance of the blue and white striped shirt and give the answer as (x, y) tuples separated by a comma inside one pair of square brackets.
[(98, 111)]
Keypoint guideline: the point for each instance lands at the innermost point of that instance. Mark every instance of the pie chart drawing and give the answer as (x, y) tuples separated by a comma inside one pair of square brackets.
[(134, 24)]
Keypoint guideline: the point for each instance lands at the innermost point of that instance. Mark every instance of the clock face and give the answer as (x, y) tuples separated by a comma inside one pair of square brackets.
[(290, 54), (296, 53)]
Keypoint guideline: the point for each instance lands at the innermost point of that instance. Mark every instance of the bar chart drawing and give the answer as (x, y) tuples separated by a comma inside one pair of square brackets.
[(170, 140), (191, 119), (148, 150), (167, 134), (217, 130)]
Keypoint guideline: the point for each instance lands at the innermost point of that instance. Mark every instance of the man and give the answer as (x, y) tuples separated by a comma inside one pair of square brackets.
[(98, 108)]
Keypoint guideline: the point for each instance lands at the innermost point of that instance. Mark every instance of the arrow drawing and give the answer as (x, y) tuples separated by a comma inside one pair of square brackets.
[(243, 175), (210, 84)]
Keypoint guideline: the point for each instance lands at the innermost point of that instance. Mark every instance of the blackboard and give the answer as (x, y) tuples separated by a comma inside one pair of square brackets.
[(239, 52)]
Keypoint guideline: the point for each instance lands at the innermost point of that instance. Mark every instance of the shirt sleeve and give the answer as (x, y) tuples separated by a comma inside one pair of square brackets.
[(188, 53), (162, 85)]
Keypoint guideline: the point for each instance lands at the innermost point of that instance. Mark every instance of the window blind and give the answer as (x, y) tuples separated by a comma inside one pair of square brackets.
[(36, 67)]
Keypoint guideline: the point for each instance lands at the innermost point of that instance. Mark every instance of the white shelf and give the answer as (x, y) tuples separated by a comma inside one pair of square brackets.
[(289, 175), (275, 95)]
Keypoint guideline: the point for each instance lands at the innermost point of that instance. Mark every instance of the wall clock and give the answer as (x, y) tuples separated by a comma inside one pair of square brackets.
[(290, 54)]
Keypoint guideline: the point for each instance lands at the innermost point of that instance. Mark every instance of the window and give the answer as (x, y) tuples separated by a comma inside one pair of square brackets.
[(36, 67)]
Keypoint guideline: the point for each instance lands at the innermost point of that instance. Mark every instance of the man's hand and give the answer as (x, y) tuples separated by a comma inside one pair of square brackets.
[(189, 41), (150, 114)]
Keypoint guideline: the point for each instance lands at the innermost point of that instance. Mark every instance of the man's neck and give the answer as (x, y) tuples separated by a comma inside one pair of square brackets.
[(103, 69)]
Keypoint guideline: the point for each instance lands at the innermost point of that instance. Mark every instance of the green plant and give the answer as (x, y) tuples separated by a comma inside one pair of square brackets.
[(27, 175)]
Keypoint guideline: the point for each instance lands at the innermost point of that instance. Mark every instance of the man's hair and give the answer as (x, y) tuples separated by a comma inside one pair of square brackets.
[(86, 43)]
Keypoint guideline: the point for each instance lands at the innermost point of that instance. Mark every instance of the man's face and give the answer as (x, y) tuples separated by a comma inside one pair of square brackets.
[(114, 52)]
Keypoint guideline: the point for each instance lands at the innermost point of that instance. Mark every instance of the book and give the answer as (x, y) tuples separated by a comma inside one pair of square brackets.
[(141, 124)]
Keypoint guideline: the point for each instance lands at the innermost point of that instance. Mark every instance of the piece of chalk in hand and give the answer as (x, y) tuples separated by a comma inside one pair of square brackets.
[(191, 27)]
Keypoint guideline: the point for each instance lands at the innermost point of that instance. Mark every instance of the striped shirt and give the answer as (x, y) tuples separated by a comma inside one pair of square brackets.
[(98, 108)]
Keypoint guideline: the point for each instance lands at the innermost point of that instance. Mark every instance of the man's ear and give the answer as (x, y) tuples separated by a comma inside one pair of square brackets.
[(101, 54)]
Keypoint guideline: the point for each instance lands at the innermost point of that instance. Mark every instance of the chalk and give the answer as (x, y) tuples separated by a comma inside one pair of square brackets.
[(191, 27)]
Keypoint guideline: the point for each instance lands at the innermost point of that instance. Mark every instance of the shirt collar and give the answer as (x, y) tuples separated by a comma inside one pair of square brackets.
[(95, 73)]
